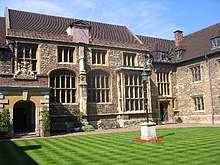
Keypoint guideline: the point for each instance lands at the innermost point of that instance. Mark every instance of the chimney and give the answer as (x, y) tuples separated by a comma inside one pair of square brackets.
[(178, 35), (79, 30)]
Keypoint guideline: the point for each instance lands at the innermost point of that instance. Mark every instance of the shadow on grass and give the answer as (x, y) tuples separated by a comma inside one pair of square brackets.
[(10, 153), (167, 135)]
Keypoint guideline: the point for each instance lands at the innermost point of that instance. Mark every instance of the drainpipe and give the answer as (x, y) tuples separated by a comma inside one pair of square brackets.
[(210, 87)]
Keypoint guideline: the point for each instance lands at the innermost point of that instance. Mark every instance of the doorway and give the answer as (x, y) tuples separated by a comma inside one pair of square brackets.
[(164, 111), (24, 116)]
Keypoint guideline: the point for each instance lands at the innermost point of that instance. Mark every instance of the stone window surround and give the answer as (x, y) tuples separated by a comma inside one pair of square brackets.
[(99, 60), (73, 48), (37, 55), (129, 59), (131, 94), (99, 82), (196, 79), (198, 103), (164, 83), (69, 90)]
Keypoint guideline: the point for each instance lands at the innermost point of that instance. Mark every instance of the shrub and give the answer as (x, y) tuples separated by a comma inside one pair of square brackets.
[(5, 121), (45, 119), (88, 128)]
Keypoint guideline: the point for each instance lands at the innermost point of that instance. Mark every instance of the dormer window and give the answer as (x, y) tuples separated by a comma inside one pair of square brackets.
[(215, 42), (178, 55), (162, 56)]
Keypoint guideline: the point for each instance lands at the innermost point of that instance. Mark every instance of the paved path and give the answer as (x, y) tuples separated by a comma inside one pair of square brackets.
[(100, 131)]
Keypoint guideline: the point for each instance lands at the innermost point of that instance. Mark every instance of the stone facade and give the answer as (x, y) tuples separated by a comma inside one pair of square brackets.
[(121, 98)]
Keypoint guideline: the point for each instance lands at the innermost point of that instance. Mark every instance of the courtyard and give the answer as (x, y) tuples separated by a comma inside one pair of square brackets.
[(182, 146)]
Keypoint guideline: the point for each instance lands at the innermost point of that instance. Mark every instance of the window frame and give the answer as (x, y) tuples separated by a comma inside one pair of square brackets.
[(196, 72), (164, 83), (99, 83), (57, 86), (101, 56), (163, 56), (68, 48), (198, 103), (131, 93), (30, 59), (215, 42), (129, 59)]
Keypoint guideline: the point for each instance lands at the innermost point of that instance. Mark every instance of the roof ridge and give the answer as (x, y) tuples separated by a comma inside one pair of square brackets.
[(154, 37), (202, 29)]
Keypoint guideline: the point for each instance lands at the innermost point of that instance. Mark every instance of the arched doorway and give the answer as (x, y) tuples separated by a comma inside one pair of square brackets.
[(24, 116)]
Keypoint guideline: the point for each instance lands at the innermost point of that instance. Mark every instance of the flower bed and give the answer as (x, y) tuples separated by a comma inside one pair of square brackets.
[(157, 139)]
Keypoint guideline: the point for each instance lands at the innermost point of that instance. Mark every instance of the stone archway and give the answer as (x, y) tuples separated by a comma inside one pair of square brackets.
[(24, 116)]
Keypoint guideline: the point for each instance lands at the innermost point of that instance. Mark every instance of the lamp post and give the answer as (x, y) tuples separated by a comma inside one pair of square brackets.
[(144, 77), (148, 130)]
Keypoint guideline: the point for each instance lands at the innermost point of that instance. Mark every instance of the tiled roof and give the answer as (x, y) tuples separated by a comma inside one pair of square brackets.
[(26, 24), (199, 43), (2, 32), (157, 44)]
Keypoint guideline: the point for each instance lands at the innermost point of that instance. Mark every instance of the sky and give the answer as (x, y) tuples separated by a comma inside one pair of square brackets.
[(155, 18)]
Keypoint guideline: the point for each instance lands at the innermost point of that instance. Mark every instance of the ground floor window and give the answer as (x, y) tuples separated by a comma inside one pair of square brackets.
[(131, 95), (98, 87), (198, 103), (63, 86)]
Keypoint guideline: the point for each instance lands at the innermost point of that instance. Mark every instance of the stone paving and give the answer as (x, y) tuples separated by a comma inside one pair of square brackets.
[(129, 129)]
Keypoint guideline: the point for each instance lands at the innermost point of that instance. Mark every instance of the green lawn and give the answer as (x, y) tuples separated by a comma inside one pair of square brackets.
[(182, 146)]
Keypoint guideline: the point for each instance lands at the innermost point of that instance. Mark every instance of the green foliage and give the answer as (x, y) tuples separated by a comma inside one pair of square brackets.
[(5, 121), (179, 120), (87, 128), (45, 119), (78, 114)]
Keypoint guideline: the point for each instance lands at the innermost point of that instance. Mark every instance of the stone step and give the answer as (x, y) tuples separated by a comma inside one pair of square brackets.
[(26, 135)]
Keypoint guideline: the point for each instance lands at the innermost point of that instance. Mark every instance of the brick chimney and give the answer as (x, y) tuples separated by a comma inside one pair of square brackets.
[(178, 35)]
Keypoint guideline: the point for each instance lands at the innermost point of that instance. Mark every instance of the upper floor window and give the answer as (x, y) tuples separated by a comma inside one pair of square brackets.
[(129, 59), (178, 55), (163, 83), (215, 42), (99, 56), (27, 56), (198, 103), (162, 56), (98, 87), (63, 86), (196, 73), (66, 55)]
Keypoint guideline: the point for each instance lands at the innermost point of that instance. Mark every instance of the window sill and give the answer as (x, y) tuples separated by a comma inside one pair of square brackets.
[(199, 111)]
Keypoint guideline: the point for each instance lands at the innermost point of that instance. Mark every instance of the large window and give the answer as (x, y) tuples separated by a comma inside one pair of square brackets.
[(27, 56), (98, 87), (215, 42), (131, 95), (99, 56), (196, 73), (129, 59), (162, 56), (66, 55), (198, 103), (163, 83), (63, 84)]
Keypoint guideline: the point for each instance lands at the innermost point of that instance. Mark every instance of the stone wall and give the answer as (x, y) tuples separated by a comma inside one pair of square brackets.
[(208, 87)]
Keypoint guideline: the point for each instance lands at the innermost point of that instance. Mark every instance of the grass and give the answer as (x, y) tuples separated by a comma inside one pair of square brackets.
[(182, 146)]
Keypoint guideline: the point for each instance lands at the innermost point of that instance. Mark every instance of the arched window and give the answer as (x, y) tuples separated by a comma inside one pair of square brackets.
[(98, 87), (63, 84)]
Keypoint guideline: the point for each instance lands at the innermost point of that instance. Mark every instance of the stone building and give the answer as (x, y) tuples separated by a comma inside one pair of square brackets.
[(69, 65)]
